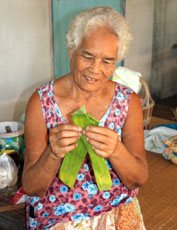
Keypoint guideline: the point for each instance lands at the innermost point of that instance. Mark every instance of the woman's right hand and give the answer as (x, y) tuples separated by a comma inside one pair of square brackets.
[(63, 139)]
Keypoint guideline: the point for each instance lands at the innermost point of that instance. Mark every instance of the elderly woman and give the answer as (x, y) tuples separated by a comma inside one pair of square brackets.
[(97, 39)]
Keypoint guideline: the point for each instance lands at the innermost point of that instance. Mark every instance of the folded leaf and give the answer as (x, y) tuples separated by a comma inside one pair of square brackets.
[(72, 163), (73, 160), (100, 169)]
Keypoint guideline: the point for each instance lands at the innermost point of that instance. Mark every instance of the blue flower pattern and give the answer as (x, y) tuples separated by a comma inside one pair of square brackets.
[(85, 185), (77, 196), (45, 214), (64, 208), (91, 188), (50, 94), (63, 189), (52, 198), (98, 208), (80, 176), (79, 216), (50, 112), (51, 222), (118, 130), (33, 223), (86, 167), (58, 112), (106, 195), (118, 199), (48, 125), (120, 96), (112, 125), (108, 164), (117, 112), (116, 181)]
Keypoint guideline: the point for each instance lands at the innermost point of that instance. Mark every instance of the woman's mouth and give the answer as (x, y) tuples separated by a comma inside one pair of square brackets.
[(90, 79)]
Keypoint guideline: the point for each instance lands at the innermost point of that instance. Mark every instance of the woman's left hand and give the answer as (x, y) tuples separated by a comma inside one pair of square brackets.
[(103, 140)]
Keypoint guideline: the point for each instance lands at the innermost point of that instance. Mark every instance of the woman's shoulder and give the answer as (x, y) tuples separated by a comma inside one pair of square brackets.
[(62, 85), (135, 101), (122, 93), (47, 86), (33, 105), (51, 85), (123, 88)]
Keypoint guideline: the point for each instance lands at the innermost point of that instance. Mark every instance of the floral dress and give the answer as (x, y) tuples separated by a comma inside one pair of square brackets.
[(62, 206)]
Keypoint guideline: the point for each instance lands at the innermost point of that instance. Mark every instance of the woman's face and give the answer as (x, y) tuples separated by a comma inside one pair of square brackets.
[(93, 63)]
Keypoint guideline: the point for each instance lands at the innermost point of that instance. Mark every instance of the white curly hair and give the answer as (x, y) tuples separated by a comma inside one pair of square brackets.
[(92, 18)]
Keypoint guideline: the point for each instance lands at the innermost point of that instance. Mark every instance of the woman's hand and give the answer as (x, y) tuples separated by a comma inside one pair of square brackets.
[(103, 140), (63, 139)]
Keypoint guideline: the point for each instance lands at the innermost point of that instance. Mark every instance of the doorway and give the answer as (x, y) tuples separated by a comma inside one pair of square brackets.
[(164, 53)]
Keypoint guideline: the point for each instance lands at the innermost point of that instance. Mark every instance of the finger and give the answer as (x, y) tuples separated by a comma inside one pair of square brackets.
[(104, 132), (97, 145), (68, 148), (108, 140), (65, 127), (67, 134), (68, 127), (96, 136), (67, 141), (61, 151), (66, 131), (98, 129), (101, 153)]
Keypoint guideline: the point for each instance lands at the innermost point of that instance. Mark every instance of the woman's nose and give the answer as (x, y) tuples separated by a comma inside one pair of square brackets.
[(96, 66)]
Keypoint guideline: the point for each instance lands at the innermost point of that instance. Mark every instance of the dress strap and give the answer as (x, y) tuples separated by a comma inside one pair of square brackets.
[(50, 109)]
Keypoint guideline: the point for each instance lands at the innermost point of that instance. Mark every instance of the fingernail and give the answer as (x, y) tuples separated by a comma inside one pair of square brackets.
[(79, 128)]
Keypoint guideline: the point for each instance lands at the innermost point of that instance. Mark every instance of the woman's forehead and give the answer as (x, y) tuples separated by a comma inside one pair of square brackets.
[(100, 40)]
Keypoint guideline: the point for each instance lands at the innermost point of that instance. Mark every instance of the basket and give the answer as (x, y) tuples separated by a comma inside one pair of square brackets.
[(147, 103)]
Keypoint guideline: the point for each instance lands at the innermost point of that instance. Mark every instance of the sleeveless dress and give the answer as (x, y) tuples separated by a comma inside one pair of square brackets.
[(64, 205)]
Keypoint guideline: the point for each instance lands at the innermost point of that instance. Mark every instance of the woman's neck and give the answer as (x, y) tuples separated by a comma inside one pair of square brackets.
[(81, 95), (71, 97)]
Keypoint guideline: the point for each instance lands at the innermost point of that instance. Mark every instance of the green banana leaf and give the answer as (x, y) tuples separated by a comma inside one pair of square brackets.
[(72, 163), (73, 160)]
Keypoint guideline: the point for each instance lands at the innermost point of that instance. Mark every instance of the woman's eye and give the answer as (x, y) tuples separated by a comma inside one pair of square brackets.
[(108, 62), (87, 57)]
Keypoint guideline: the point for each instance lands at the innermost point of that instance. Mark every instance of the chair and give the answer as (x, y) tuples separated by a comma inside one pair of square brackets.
[(135, 81)]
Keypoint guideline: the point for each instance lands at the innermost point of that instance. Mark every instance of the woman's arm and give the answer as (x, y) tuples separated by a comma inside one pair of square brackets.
[(127, 157), (42, 161)]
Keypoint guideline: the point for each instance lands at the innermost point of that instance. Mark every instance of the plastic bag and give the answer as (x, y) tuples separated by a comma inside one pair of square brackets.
[(8, 171)]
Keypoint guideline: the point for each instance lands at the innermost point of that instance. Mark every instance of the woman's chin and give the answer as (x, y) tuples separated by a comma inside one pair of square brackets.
[(90, 87)]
